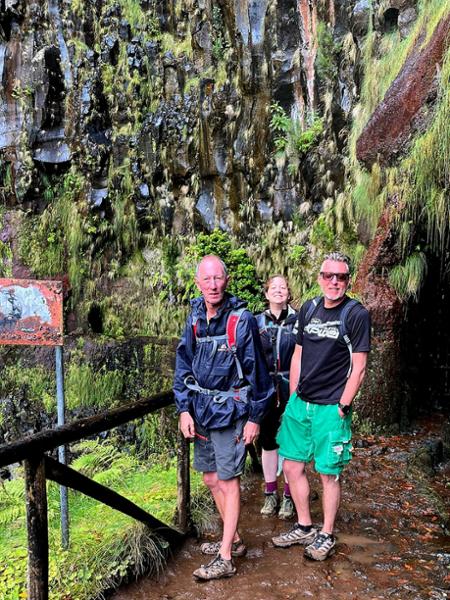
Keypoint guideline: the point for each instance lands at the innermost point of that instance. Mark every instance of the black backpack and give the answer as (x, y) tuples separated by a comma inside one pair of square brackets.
[(316, 302)]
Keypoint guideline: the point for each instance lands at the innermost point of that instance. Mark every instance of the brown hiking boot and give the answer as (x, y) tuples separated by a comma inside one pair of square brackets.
[(219, 567)]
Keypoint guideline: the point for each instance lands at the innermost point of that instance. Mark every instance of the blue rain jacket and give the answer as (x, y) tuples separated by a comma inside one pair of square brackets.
[(214, 368)]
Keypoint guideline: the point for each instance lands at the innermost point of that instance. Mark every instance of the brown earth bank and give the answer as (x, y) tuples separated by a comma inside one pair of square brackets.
[(391, 534)]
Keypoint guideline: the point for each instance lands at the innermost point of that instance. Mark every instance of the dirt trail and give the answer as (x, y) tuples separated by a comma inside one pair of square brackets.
[(390, 539)]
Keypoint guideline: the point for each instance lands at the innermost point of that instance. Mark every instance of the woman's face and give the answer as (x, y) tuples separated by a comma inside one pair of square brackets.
[(278, 292)]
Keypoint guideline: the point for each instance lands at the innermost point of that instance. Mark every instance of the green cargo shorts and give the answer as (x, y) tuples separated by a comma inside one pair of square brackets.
[(315, 431)]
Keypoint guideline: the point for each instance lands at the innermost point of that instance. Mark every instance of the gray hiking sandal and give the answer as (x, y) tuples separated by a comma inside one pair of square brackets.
[(287, 509), (321, 547), (296, 535), (237, 549), (216, 569), (270, 505)]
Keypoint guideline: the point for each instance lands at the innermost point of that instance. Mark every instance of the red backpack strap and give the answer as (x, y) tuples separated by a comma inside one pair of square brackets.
[(232, 323), (231, 328)]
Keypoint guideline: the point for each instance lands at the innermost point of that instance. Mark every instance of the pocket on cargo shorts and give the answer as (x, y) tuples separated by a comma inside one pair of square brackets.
[(339, 448)]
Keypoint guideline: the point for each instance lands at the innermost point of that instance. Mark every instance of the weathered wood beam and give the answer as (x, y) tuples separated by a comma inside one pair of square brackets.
[(69, 477), (48, 439), (37, 529), (183, 485)]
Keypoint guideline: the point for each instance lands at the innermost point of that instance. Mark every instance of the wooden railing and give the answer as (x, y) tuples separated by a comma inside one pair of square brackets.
[(39, 467)]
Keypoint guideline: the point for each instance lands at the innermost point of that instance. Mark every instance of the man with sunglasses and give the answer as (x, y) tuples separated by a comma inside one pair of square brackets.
[(327, 370)]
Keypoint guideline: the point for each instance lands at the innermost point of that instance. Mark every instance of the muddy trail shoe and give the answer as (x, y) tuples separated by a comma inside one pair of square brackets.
[(321, 547), (287, 509), (237, 549), (270, 505), (216, 569), (296, 535)]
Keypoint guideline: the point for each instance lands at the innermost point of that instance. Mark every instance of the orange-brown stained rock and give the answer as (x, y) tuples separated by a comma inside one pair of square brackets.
[(393, 120)]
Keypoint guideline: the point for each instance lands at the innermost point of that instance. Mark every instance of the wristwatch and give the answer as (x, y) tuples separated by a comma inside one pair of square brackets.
[(346, 408)]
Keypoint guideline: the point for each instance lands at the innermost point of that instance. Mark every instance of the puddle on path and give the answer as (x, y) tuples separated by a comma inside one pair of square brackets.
[(390, 542)]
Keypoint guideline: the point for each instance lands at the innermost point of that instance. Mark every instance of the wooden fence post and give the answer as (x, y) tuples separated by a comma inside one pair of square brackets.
[(36, 498), (183, 484)]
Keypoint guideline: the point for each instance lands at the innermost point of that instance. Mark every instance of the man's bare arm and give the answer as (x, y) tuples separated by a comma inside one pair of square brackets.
[(359, 362), (294, 373)]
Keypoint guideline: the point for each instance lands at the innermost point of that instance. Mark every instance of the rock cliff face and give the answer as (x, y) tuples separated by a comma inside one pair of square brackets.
[(128, 126)]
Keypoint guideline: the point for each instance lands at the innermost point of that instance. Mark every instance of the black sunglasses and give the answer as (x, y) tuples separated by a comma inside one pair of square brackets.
[(339, 276)]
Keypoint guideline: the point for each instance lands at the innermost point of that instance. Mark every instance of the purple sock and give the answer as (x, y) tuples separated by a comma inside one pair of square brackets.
[(286, 491), (271, 487)]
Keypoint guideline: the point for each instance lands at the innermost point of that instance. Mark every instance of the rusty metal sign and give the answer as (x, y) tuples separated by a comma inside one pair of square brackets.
[(31, 312)]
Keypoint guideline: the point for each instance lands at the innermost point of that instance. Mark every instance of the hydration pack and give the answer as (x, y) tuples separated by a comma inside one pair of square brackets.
[(229, 337)]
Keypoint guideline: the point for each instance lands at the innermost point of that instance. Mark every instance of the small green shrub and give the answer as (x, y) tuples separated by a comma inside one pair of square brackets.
[(327, 53), (322, 235)]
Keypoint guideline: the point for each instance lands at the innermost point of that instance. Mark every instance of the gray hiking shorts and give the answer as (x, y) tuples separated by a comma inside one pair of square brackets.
[(220, 450)]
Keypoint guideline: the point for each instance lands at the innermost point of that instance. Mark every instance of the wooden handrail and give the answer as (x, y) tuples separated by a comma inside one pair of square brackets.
[(38, 467), (48, 439)]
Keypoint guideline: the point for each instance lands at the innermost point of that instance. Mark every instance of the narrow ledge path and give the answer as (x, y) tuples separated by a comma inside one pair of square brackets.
[(391, 541)]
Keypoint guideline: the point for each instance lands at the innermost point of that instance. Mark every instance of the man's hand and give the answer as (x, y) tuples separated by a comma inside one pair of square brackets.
[(251, 432), (187, 425)]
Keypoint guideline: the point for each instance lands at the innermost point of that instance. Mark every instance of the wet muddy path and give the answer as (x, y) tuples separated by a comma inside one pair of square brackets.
[(390, 534)]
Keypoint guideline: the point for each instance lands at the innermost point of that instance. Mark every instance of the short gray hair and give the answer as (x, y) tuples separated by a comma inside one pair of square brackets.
[(223, 265), (339, 257)]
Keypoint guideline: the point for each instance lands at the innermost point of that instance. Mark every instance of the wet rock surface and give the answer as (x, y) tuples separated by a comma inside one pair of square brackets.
[(396, 118), (391, 540)]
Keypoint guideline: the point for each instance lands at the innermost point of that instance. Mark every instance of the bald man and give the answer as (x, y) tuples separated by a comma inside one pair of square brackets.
[(222, 387)]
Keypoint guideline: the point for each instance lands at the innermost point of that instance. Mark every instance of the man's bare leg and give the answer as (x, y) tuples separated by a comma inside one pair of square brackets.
[(231, 495), (330, 501), (212, 482), (298, 483)]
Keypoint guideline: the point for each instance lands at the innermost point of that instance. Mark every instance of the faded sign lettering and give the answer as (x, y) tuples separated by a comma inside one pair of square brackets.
[(31, 312)]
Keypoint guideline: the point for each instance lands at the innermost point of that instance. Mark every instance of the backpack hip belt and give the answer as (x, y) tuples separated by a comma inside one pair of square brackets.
[(219, 396)]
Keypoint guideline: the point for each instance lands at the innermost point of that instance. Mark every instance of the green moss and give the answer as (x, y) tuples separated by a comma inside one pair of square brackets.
[(321, 235), (86, 387), (178, 47), (407, 278), (38, 383), (327, 53)]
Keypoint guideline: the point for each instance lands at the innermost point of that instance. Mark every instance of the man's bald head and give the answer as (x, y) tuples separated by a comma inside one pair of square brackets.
[(211, 257), (211, 279)]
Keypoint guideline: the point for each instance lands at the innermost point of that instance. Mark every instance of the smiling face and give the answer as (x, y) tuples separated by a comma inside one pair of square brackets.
[(212, 282), (334, 279), (277, 292)]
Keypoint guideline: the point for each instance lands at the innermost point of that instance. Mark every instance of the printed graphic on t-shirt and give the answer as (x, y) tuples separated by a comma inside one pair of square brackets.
[(329, 329)]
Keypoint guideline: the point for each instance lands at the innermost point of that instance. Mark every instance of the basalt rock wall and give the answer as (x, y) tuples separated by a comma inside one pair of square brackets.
[(128, 126)]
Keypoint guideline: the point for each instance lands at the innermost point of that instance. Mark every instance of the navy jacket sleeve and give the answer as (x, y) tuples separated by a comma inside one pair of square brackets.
[(254, 366), (183, 367)]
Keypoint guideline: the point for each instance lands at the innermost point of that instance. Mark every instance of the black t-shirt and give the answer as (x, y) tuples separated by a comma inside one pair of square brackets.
[(325, 355)]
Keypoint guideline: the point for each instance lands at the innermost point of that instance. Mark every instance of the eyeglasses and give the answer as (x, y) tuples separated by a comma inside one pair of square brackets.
[(339, 276)]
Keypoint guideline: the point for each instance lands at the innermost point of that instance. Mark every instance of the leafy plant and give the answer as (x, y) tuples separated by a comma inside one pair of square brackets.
[(291, 140)]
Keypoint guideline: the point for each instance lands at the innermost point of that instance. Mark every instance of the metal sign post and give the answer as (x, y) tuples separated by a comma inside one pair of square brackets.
[(31, 313), (64, 501)]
